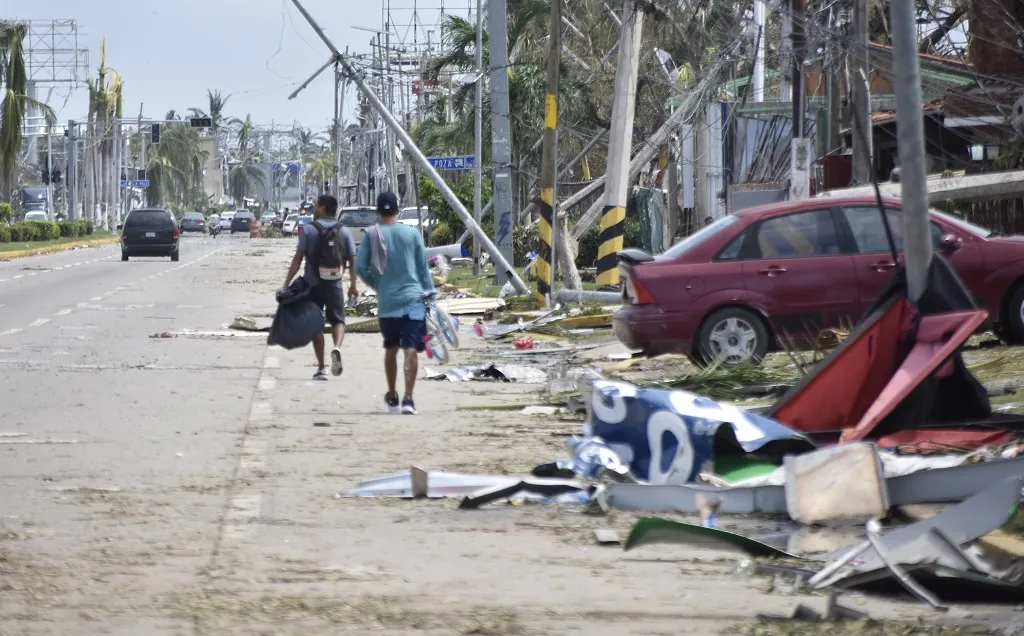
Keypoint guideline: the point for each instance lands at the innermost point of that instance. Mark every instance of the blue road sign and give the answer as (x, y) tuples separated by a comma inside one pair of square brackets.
[(125, 183), (467, 162), (141, 183)]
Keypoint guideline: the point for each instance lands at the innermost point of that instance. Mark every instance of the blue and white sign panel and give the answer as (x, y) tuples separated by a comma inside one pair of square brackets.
[(125, 183), (467, 162), (141, 183), (666, 436)]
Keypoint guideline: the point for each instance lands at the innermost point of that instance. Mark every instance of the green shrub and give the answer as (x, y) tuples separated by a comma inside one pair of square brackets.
[(441, 234), (23, 232), (84, 228), (5, 234), (46, 230), (271, 232), (5, 212), (69, 229)]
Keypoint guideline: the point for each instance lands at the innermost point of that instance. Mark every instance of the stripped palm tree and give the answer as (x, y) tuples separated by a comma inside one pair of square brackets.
[(15, 102), (175, 167)]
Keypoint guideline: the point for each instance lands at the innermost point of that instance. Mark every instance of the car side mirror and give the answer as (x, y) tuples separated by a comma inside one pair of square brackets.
[(950, 243)]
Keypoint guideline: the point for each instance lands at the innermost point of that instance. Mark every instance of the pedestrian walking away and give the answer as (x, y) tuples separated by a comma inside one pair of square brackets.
[(393, 260), (328, 250)]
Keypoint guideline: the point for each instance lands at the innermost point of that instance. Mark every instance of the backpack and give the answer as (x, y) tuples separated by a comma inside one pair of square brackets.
[(331, 250)]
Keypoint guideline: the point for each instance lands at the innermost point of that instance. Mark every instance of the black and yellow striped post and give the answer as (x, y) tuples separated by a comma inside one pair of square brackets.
[(613, 227), (543, 265)]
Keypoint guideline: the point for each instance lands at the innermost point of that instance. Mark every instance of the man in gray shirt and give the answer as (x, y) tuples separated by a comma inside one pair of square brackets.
[(329, 294)]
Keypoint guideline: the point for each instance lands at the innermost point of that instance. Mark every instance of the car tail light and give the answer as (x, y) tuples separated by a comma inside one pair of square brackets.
[(636, 292), (175, 232)]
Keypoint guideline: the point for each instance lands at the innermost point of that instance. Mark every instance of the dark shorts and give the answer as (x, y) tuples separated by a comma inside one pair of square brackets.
[(331, 298), (403, 332)]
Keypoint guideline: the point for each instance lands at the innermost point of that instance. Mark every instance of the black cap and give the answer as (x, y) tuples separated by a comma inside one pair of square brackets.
[(387, 202)]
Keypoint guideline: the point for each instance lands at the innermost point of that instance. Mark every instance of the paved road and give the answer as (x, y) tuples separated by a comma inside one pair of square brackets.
[(187, 485)]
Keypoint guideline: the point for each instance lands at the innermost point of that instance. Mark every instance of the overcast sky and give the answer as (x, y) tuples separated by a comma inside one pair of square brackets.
[(256, 51)]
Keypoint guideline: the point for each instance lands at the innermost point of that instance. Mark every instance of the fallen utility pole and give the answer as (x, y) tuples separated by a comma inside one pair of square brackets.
[(416, 153), (620, 142), (543, 265), (910, 138)]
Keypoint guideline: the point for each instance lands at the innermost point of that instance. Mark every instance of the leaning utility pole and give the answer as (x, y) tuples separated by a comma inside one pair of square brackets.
[(501, 131), (543, 266), (861, 89), (910, 138), (500, 262), (620, 143), (478, 130)]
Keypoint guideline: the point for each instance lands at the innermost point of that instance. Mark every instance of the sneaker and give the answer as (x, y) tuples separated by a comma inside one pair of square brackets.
[(391, 399), (408, 408), (336, 367), (321, 374)]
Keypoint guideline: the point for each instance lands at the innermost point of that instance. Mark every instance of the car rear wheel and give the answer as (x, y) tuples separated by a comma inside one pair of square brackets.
[(1012, 327), (124, 255), (732, 337), (174, 257)]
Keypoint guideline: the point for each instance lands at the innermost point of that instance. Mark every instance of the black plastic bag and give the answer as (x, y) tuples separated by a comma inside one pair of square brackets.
[(298, 290), (296, 324)]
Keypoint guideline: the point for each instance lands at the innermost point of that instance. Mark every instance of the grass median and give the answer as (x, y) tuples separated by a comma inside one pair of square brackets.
[(21, 249)]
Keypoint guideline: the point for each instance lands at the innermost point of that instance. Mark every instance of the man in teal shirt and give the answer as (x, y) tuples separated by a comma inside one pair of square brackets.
[(392, 259)]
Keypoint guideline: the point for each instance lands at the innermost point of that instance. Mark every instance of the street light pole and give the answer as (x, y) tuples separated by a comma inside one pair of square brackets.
[(478, 131)]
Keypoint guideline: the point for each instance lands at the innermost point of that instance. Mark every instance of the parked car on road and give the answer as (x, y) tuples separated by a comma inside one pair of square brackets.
[(410, 216), (731, 290), (357, 219), (192, 222), (149, 232), (225, 220), (242, 221), (289, 224), (35, 216)]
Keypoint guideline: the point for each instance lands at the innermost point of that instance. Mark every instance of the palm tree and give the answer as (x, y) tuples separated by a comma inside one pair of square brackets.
[(242, 179), (214, 109), (15, 102), (175, 168)]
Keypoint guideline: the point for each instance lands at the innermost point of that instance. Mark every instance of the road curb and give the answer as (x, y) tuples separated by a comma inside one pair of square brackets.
[(50, 249)]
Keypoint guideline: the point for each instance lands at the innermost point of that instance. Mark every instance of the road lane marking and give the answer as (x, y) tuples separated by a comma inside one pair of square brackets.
[(63, 312), (40, 322), (261, 411), (18, 276), (266, 383), (190, 306), (271, 363), (10, 332)]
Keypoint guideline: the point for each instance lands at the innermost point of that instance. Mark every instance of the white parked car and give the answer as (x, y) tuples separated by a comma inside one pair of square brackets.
[(288, 227), (35, 216), (225, 220), (408, 216)]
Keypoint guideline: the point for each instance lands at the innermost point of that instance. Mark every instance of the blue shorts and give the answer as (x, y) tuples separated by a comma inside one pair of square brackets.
[(404, 333)]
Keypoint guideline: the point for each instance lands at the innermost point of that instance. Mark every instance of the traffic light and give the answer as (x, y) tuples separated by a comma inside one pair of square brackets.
[(201, 122), (55, 175), (156, 133), (45, 176)]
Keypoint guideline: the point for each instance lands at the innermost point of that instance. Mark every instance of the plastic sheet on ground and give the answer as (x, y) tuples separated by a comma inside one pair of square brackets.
[(666, 437), (892, 466), (501, 373)]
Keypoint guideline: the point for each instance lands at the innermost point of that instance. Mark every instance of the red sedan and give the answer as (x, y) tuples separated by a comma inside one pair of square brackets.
[(733, 288)]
